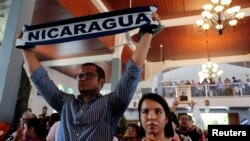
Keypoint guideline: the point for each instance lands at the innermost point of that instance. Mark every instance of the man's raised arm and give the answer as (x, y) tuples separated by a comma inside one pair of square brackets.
[(29, 57), (141, 51)]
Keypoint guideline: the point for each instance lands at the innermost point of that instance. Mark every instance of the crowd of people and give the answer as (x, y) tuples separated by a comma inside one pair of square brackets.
[(93, 117), (159, 122), (219, 87), (206, 81), (35, 128), (156, 119)]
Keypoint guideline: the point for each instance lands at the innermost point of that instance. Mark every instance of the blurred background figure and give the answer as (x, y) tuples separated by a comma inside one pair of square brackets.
[(26, 115), (54, 124), (132, 133), (53, 119), (32, 130), (44, 115), (187, 130), (119, 133), (53, 132)]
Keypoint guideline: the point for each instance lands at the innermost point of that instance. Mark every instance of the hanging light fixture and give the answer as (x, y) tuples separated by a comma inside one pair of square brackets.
[(209, 69), (218, 15)]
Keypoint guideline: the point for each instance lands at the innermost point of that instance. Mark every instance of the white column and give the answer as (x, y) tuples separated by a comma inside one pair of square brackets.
[(11, 59)]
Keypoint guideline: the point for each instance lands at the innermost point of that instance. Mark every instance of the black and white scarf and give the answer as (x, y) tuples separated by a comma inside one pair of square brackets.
[(86, 27)]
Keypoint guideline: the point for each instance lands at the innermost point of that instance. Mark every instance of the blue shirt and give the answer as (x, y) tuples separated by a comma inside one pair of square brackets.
[(92, 121)]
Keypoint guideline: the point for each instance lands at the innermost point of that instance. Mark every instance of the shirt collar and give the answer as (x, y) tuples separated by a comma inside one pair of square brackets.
[(92, 99)]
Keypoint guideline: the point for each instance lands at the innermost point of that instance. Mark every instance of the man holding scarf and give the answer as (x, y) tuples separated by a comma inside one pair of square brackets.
[(90, 116)]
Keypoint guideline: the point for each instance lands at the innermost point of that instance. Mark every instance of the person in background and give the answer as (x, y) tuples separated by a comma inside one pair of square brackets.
[(53, 132), (44, 114), (228, 87), (195, 110), (236, 84), (247, 85), (154, 116), (91, 116), (54, 124), (194, 129), (220, 87), (44, 118), (132, 133), (25, 116), (32, 130), (119, 133), (54, 117), (187, 130)]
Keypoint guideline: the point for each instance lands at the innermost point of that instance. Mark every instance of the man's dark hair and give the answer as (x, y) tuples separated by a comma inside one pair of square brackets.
[(54, 117), (39, 128), (99, 70), (119, 131)]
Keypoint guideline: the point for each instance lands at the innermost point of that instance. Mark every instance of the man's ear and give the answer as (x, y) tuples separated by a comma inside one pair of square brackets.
[(102, 82)]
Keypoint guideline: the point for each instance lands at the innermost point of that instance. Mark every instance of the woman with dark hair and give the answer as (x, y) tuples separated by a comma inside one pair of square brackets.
[(154, 116)]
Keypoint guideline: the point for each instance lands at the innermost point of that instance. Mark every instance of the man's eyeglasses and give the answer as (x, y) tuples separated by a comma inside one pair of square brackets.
[(87, 75)]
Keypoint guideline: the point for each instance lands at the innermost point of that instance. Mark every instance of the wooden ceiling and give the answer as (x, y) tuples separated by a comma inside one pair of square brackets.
[(179, 42)]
